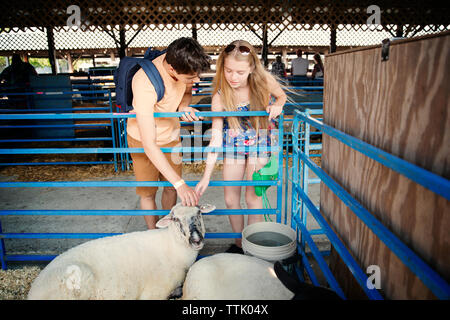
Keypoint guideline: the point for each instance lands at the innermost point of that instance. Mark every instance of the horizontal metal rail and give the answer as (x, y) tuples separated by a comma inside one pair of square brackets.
[(94, 235), (52, 93), (427, 179), (57, 126), (114, 184), (132, 150), (57, 212), (54, 163)]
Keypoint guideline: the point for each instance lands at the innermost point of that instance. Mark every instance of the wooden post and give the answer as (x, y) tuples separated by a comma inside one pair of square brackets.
[(265, 48), (194, 31), (284, 57), (123, 46), (399, 32), (70, 62), (51, 49), (333, 38)]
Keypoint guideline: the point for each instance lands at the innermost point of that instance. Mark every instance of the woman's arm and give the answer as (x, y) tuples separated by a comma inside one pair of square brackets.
[(216, 141), (278, 93)]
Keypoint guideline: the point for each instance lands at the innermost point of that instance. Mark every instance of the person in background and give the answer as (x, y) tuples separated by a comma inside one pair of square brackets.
[(299, 65), (18, 73), (278, 68), (299, 69), (16, 79), (318, 67)]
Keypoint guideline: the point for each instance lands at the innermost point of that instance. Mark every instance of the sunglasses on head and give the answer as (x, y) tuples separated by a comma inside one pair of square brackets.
[(242, 49)]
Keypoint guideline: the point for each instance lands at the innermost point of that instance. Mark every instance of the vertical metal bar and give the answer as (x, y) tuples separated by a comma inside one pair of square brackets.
[(280, 168), (119, 141), (113, 135), (305, 175), (286, 178), (295, 168), (2, 250), (125, 139)]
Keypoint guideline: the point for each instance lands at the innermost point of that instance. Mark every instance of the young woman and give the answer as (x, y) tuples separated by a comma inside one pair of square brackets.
[(318, 67), (242, 84)]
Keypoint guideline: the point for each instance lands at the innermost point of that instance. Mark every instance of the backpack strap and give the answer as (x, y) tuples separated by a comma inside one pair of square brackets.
[(154, 76)]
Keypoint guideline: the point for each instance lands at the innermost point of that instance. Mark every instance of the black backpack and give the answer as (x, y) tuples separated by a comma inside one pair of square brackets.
[(123, 77)]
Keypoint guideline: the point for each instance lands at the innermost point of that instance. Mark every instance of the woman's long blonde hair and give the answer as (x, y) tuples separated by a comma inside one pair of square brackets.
[(257, 80)]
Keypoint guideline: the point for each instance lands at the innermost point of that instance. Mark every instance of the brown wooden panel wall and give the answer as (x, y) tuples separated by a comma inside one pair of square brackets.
[(403, 107)]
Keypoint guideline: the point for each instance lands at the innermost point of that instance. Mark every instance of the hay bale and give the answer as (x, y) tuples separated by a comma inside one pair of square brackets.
[(15, 283)]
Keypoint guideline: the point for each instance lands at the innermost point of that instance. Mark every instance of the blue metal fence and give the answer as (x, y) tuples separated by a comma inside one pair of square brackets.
[(48, 131), (5, 257), (297, 140), (301, 202)]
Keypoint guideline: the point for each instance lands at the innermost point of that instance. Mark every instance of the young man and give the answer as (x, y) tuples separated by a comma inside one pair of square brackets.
[(299, 65), (179, 68)]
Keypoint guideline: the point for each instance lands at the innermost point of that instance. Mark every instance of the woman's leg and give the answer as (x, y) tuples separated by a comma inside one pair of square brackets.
[(252, 200), (234, 169)]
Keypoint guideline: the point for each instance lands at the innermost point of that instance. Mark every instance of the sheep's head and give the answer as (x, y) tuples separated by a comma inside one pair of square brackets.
[(187, 223)]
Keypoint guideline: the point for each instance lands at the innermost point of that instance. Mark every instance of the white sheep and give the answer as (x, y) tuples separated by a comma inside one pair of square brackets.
[(138, 265), (229, 276)]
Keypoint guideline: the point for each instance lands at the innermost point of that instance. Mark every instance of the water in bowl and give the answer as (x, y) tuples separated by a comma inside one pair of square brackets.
[(269, 239)]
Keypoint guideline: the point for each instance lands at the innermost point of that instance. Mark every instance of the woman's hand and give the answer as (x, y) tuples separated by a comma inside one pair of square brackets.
[(274, 111), (201, 186)]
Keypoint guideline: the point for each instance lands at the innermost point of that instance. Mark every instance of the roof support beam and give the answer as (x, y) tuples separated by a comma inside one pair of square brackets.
[(265, 47), (333, 36), (51, 49)]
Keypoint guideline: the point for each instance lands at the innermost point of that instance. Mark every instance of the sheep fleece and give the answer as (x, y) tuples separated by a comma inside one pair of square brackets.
[(136, 265), (228, 276)]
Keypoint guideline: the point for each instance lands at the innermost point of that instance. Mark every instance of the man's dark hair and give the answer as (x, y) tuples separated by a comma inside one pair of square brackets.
[(186, 56)]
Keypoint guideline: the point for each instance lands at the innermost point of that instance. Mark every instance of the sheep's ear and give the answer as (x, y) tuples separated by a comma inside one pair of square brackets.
[(164, 221), (207, 208)]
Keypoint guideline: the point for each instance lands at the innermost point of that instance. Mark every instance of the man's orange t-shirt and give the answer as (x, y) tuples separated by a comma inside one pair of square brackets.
[(145, 102)]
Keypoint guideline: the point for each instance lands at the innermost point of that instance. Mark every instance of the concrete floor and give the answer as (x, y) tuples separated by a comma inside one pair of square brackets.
[(113, 198)]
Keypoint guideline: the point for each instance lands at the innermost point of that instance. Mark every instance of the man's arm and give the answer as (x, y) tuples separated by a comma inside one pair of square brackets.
[(187, 98), (147, 130), (189, 115), (144, 100)]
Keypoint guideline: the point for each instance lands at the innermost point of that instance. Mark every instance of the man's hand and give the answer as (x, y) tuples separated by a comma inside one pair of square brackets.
[(187, 195), (189, 114)]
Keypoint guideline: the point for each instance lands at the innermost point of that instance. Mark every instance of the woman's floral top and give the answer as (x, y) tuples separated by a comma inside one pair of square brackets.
[(246, 135)]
